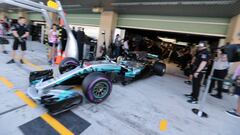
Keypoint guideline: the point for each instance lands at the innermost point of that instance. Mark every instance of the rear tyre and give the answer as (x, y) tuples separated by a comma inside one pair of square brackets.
[(96, 87), (68, 64), (159, 68)]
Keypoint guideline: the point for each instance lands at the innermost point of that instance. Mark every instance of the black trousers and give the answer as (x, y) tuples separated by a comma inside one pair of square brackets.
[(80, 50), (64, 43), (196, 85), (221, 74)]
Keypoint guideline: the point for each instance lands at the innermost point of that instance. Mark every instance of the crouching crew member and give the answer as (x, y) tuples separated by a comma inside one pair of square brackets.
[(20, 34), (199, 66)]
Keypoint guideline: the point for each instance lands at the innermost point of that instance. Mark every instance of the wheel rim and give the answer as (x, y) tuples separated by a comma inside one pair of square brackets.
[(100, 89), (164, 70)]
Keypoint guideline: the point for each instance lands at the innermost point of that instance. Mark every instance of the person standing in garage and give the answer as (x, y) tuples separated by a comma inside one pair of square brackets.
[(3, 40), (117, 47), (221, 66), (20, 34), (80, 34), (63, 38), (125, 46), (189, 72), (74, 32), (199, 66)]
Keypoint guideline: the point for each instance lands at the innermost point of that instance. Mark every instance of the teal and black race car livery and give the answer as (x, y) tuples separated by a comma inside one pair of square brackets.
[(96, 78)]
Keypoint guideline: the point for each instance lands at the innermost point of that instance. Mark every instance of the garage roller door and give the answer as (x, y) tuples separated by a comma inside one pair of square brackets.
[(191, 25)]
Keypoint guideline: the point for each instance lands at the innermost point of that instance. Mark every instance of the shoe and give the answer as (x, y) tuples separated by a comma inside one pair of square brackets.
[(5, 52), (233, 113), (216, 96), (11, 61), (188, 82), (188, 95), (192, 101), (21, 61)]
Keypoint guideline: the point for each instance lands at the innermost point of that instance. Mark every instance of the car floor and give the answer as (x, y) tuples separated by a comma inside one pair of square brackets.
[(134, 109)]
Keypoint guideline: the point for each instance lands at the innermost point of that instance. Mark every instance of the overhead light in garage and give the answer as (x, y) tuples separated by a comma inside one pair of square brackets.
[(97, 9), (216, 2), (182, 43), (169, 40)]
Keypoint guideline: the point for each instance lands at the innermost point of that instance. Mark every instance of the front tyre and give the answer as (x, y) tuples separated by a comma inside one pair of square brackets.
[(68, 64), (96, 87)]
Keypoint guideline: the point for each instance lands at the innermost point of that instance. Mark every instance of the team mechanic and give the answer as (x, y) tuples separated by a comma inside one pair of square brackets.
[(20, 34), (199, 66)]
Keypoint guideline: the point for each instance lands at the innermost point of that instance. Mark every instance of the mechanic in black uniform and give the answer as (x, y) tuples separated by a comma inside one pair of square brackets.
[(63, 37), (20, 34), (199, 66), (80, 34)]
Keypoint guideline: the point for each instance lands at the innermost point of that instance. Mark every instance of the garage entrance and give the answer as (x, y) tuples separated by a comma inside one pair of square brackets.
[(172, 47)]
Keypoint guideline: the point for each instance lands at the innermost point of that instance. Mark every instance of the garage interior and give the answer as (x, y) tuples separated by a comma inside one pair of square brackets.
[(155, 105)]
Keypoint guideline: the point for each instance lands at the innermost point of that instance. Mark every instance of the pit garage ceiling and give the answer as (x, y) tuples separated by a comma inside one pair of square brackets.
[(200, 8)]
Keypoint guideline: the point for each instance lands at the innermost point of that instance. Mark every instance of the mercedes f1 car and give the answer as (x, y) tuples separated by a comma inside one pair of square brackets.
[(96, 78)]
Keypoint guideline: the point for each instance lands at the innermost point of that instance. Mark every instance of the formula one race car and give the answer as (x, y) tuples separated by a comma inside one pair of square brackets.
[(96, 78), (125, 69)]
